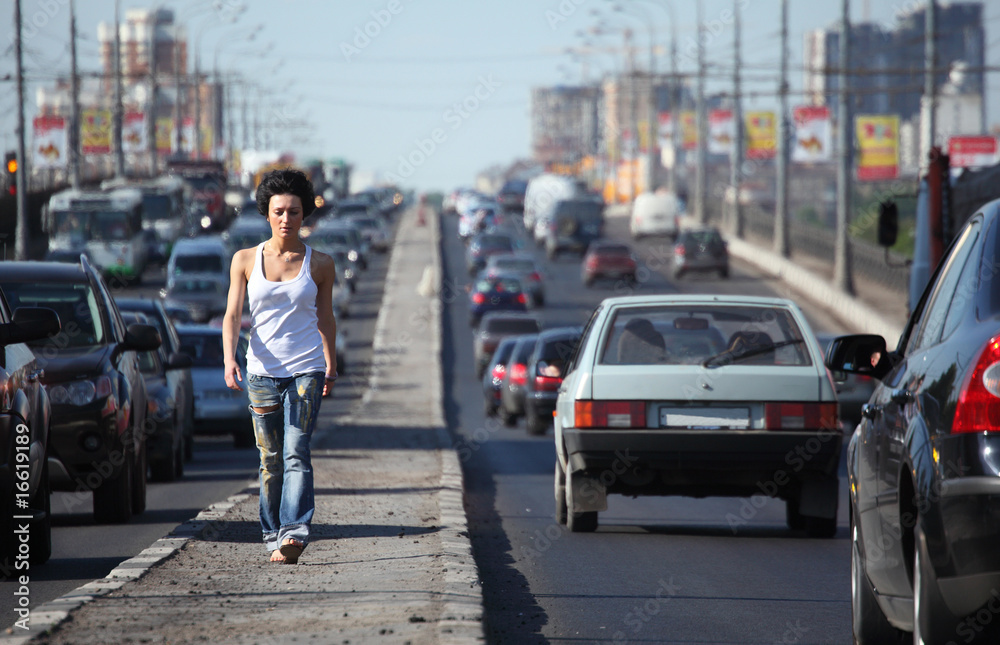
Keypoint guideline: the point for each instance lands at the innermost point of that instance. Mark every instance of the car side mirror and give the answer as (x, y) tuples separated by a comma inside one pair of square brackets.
[(888, 223), (178, 361), (28, 324), (141, 337), (859, 354)]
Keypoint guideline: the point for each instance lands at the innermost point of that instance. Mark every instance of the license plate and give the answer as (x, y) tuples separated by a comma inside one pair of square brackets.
[(705, 418)]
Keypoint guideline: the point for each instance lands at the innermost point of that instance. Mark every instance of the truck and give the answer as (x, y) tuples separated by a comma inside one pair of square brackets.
[(207, 180)]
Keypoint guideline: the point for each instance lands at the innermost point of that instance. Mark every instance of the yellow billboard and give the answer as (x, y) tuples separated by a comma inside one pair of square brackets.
[(878, 146)]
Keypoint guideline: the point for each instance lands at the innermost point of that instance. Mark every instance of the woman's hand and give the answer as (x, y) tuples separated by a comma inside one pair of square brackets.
[(233, 376)]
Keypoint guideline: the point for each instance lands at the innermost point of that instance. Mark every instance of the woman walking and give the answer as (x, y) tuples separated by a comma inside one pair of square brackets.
[(291, 361)]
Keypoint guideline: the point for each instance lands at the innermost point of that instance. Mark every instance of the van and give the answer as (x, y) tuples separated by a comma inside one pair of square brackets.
[(655, 214), (540, 199), (199, 255)]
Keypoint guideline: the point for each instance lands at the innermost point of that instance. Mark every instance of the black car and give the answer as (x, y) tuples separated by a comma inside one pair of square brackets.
[(700, 250), (514, 380), (483, 245), (493, 328), (511, 195), (25, 416), (91, 373), (177, 374), (923, 464), (496, 367), (575, 223), (545, 370)]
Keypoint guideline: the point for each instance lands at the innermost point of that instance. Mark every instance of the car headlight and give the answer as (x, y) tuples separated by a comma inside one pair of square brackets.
[(80, 392), (348, 274), (352, 255)]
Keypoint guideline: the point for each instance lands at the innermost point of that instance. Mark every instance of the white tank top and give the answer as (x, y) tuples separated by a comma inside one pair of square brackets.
[(284, 336)]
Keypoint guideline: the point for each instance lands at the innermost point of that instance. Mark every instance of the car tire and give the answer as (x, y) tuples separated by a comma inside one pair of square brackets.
[(165, 469), (506, 418), (179, 461), (560, 493), (139, 481), (793, 517), (535, 425), (930, 614), (821, 527), (724, 272), (540, 301), (243, 438), (678, 274), (489, 409), (585, 522), (868, 623), (40, 538), (588, 282), (113, 497)]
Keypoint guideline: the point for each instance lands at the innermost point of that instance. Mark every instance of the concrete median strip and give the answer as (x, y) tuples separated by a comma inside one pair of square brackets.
[(391, 557)]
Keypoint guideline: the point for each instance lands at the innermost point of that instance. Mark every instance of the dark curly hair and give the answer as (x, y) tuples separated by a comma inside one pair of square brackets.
[(286, 182)]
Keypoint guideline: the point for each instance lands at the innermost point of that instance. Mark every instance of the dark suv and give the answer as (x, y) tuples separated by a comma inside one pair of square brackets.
[(91, 373), (575, 223), (24, 434)]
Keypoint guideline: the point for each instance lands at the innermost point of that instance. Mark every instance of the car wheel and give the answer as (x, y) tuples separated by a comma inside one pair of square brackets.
[(179, 461), (724, 272), (506, 418), (139, 481), (868, 622), (164, 469), (678, 274), (560, 492), (489, 409), (113, 497), (930, 615), (588, 281), (40, 538), (585, 522), (535, 424), (793, 517), (243, 438), (821, 527), (540, 300)]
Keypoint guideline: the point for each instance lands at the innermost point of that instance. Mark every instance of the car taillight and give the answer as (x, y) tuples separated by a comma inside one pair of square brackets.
[(609, 414), (679, 249), (547, 383), (522, 299), (592, 261), (498, 371), (478, 298), (800, 416), (518, 374), (978, 408), (535, 277)]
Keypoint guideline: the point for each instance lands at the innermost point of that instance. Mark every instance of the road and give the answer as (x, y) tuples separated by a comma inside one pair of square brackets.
[(665, 570), (83, 551)]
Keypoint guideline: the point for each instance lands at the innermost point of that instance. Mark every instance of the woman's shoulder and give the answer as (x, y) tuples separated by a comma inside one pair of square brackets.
[(320, 261), (245, 257)]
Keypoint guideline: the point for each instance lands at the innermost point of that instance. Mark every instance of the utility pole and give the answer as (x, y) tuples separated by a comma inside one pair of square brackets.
[(841, 252), (781, 189), (633, 100), (178, 113), (675, 107), (197, 101), (736, 152), (928, 118), (701, 180), (151, 105), (74, 103), (116, 126), (21, 240)]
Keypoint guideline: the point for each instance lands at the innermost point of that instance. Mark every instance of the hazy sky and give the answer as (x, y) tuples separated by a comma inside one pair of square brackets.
[(373, 81)]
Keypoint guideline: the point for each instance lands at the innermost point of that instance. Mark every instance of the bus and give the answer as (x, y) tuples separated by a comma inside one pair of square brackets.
[(165, 203), (106, 226)]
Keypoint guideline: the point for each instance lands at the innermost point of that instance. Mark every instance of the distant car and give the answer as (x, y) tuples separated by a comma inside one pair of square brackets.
[(493, 375), (546, 369), (347, 269), (525, 268), (606, 260), (92, 377), (330, 233), (354, 205), (700, 250), (484, 245), (25, 417), (655, 214), (511, 195), (217, 409), (207, 254), (698, 395), (178, 377), (247, 231), (573, 225), (494, 327), (373, 229), (497, 293), (203, 295), (164, 415), (478, 217), (515, 380)]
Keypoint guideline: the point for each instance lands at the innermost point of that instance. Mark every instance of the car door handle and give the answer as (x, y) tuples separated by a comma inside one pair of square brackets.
[(870, 411), (902, 397)]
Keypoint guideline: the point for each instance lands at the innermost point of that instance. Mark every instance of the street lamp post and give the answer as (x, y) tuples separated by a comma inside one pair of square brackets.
[(652, 118)]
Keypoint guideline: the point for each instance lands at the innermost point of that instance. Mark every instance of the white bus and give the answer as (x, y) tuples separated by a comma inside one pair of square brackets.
[(104, 225), (165, 201)]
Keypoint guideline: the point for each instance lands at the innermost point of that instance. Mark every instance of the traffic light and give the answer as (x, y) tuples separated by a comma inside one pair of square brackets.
[(10, 164)]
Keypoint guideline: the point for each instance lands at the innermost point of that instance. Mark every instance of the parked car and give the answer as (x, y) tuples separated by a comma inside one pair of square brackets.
[(91, 373), (546, 368), (703, 395), (497, 293), (515, 380), (203, 295), (655, 214), (482, 246), (217, 409), (177, 376), (574, 224), (922, 465), (525, 268), (25, 417), (494, 327), (607, 260), (164, 416), (493, 375), (700, 250)]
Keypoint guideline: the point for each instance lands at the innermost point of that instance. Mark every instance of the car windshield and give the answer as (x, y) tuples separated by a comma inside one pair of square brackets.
[(155, 207), (494, 242), (329, 238), (364, 222), (199, 287), (511, 326), (613, 250), (247, 239), (702, 237), (198, 264), (500, 285), (585, 211), (109, 226), (513, 264), (205, 350), (691, 335), (71, 224), (76, 305)]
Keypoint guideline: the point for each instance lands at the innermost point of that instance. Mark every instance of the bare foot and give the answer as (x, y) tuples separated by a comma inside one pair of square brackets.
[(277, 557)]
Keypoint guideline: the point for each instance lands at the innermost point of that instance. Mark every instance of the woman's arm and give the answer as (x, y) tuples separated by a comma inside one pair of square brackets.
[(234, 314)]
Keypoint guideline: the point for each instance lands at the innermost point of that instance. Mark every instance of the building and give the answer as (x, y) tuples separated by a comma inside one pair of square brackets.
[(564, 123)]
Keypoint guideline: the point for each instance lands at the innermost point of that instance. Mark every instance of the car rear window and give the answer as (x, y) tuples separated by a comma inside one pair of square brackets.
[(511, 325), (612, 249), (76, 305), (508, 285), (689, 335), (198, 264), (509, 264), (205, 350)]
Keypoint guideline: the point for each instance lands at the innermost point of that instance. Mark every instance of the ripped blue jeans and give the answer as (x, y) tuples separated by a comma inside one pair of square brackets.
[(283, 434)]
